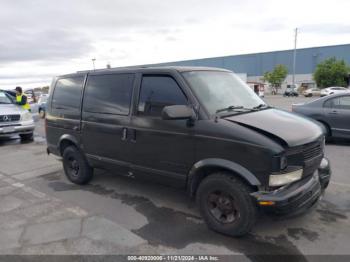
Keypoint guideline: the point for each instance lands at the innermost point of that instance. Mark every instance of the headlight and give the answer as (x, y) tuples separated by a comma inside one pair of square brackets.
[(283, 179), (26, 116)]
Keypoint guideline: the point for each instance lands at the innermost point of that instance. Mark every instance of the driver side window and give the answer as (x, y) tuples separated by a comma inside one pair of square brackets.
[(158, 92)]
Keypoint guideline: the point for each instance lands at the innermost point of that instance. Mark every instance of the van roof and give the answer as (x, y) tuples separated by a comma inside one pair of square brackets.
[(150, 69)]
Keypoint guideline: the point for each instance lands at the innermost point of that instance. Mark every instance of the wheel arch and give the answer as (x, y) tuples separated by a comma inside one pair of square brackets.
[(205, 167), (65, 141)]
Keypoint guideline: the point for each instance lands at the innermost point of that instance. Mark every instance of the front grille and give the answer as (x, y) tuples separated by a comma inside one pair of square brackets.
[(312, 154), (9, 118), (312, 151)]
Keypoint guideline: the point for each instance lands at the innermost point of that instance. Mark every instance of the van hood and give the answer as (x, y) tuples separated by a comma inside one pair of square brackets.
[(292, 129)]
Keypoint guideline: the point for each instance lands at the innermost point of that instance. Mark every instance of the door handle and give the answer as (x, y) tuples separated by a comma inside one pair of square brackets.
[(76, 128), (334, 112), (124, 134)]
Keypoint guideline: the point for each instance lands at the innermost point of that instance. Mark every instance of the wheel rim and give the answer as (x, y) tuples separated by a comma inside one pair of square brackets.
[(222, 207), (73, 166)]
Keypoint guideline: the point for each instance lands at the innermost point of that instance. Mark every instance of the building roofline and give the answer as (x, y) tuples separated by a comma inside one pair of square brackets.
[(247, 54)]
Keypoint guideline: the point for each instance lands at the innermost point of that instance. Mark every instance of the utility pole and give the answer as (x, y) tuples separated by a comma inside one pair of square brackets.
[(295, 55), (93, 63)]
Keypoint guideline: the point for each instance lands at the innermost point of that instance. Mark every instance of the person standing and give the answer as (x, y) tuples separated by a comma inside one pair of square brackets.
[(21, 99)]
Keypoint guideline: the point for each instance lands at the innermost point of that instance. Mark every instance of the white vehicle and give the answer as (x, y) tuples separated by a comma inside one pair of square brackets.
[(334, 90), (14, 120), (312, 92)]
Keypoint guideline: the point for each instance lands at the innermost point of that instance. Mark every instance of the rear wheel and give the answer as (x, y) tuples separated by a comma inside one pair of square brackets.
[(26, 137), (75, 166), (226, 205)]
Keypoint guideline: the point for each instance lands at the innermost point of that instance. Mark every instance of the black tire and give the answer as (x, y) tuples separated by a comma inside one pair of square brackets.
[(240, 210), (26, 137), (42, 113), (75, 166)]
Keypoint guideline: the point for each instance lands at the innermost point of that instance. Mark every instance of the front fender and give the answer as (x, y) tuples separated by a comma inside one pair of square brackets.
[(195, 175)]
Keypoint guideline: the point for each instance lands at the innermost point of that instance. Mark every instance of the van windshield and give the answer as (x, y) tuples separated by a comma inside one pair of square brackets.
[(4, 99), (222, 91)]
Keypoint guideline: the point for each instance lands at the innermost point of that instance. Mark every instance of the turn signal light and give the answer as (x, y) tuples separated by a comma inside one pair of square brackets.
[(266, 203)]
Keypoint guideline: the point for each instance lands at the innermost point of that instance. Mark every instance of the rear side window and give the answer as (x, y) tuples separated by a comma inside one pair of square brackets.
[(67, 93), (158, 92), (109, 94), (344, 102)]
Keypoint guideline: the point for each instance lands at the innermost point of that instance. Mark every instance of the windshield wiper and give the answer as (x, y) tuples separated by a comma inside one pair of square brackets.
[(260, 106), (229, 108)]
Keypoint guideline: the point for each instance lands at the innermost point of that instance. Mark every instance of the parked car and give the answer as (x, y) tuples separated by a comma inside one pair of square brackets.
[(332, 111), (334, 90), (312, 92), (42, 105), (14, 120), (200, 129), (290, 91)]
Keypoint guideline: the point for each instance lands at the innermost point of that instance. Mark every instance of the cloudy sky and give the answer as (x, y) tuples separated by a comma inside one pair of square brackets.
[(43, 38)]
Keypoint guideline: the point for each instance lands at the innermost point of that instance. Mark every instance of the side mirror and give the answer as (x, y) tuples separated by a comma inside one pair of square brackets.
[(177, 112)]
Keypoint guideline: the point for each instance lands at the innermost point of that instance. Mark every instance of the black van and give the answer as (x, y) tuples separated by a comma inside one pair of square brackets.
[(201, 129)]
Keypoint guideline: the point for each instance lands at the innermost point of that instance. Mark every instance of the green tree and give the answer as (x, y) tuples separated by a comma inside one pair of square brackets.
[(276, 76), (331, 72)]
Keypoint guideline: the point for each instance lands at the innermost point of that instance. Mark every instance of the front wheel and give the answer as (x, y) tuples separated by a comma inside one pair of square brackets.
[(75, 166), (226, 205), (26, 137)]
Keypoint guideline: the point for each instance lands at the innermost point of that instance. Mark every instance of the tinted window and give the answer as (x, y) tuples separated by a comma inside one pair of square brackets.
[(109, 94), (343, 102), (158, 92), (67, 93)]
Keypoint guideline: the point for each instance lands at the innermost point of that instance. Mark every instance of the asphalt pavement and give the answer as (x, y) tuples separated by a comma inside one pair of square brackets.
[(42, 213)]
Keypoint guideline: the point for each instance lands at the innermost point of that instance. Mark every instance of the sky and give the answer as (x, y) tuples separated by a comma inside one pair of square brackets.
[(40, 39)]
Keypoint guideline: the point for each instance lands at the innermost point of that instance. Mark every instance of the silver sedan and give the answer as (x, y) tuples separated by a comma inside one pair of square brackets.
[(332, 111), (14, 120)]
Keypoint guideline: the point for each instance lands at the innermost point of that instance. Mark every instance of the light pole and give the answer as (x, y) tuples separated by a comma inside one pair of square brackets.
[(93, 63), (295, 55)]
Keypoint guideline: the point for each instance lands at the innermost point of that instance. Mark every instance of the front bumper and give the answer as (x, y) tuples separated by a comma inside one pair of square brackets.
[(299, 196), (16, 129)]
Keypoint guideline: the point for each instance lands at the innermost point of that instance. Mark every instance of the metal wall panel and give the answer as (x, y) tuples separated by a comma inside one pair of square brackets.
[(257, 64)]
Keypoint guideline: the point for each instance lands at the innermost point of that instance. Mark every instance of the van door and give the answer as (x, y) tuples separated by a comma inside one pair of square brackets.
[(64, 109), (105, 118), (161, 150)]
